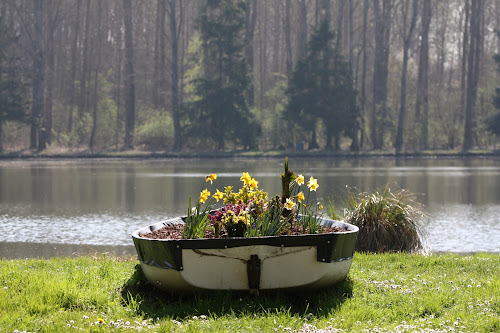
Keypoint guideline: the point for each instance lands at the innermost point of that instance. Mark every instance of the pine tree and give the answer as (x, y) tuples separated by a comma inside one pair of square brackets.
[(12, 94), (221, 112), (321, 88)]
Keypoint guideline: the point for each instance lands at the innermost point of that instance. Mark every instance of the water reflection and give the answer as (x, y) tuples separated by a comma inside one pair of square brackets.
[(102, 202)]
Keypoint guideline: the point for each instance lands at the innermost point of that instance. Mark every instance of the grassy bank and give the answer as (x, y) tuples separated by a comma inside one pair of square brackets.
[(391, 292)]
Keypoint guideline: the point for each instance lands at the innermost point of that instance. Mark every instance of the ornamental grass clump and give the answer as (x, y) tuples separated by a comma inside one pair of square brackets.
[(387, 221), (249, 212)]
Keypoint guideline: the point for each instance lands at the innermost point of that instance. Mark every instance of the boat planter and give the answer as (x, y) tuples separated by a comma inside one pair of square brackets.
[(308, 261)]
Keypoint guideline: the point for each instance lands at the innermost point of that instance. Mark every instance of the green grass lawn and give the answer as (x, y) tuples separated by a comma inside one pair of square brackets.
[(390, 292)]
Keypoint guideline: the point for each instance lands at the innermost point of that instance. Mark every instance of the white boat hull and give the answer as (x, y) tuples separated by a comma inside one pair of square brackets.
[(280, 262)]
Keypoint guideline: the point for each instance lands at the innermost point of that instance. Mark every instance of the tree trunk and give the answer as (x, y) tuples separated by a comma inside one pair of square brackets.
[(479, 65), (250, 20), (184, 43), (38, 77), (84, 91), (275, 68), (74, 66), (159, 56), (97, 49), (276, 38), (302, 36), (328, 145), (472, 73), (327, 11), (174, 37), (288, 40), (129, 76), (317, 11), (351, 41), (422, 99), (314, 141), (156, 60), (340, 20), (355, 132), (45, 134), (381, 71), (263, 32), (337, 141), (118, 63), (406, 47), (363, 73), (45, 131)]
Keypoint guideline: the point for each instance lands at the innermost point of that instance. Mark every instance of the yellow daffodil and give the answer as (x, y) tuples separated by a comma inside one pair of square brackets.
[(289, 204), (244, 217), (211, 178), (218, 195), (300, 196), (204, 195), (253, 183), (228, 217), (246, 178), (300, 180), (312, 184)]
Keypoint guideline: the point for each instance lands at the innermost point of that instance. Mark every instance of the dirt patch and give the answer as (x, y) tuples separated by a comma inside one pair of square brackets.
[(174, 231)]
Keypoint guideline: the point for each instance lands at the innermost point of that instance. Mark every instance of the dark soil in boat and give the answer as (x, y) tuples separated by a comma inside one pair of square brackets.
[(174, 231)]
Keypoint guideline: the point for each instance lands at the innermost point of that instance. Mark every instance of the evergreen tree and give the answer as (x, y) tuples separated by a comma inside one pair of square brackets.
[(12, 100), (321, 88), (220, 111)]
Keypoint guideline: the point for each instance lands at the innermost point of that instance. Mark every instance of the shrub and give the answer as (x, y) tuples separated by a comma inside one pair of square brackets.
[(387, 221), (156, 131)]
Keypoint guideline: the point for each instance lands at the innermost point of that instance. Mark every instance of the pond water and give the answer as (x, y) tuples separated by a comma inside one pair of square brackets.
[(101, 202)]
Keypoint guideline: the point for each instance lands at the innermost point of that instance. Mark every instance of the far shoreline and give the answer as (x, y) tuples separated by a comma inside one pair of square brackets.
[(58, 154), (31, 250)]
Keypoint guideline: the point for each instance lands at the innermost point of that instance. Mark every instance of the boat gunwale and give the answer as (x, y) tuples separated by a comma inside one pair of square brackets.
[(167, 253)]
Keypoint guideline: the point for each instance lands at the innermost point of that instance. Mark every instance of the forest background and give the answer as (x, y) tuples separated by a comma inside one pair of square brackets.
[(207, 75)]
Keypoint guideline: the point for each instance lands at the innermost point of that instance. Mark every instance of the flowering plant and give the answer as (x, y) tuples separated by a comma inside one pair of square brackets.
[(250, 213)]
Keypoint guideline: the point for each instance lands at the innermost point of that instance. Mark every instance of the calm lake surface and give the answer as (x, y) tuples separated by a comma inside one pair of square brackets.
[(101, 202)]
